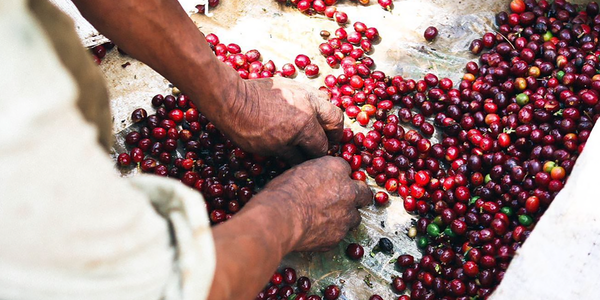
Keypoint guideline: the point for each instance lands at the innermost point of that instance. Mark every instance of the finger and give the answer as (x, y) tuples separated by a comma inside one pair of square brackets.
[(292, 155), (329, 116), (364, 195), (339, 163), (313, 141)]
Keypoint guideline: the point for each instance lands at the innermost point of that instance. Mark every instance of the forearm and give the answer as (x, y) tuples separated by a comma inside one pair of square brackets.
[(161, 34), (249, 248)]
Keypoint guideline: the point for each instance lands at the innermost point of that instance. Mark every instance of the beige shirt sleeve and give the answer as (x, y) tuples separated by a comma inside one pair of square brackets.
[(70, 227)]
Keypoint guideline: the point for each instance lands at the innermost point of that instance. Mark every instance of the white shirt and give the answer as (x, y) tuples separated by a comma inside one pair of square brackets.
[(70, 227)]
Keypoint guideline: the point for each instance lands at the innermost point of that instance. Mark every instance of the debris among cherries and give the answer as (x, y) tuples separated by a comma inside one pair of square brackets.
[(511, 130), (211, 3)]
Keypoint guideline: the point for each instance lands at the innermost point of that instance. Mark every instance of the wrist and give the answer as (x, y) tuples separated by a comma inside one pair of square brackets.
[(283, 220), (218, 89)]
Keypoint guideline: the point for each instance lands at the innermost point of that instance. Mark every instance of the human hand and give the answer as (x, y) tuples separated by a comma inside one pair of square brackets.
[(321, 199), (277, 116)]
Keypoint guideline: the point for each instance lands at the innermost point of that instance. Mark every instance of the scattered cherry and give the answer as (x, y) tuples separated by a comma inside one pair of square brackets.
[(430, 33), (355, 251)]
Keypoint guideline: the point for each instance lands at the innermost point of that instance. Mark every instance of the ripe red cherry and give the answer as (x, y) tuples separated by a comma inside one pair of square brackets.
[(302, 61), (410, 204), (422, 178), (391, 185), (517, 6), (217, 216), (159, 133), (191, 115), (462, 194), (340, 17), (277, 278), (289, 275), (303, 284), (355, 251), (332, 292), (471, 269), (372, 33), (354, 38), (459, 227), (187, 164), (190, 178), (362, 118), (385, 4), (452, 153), (381, 198), (532, 204), (503, 140), (311, 70), (288, 70), (303, 5), (359, 175), (124, 159), (137, 155), (430, 33), (176, 115), (417, 191), (398, 284)]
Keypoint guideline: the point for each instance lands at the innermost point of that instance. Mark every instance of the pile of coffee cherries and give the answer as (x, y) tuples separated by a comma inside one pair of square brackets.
[(179, 142), (281, 286), (328, 8), (511, 130), (350, 50), (510, 135)]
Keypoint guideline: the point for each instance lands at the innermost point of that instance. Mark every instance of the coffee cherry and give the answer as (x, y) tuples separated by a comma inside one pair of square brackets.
[(355, 251), (277, 278), (430, 33), (340, 17), (303, 284), (289, 275), (381, 198), (311, 70), (139, 115), (124, 160), (398, 284), (302, 61), (288, 70), (331, 292)]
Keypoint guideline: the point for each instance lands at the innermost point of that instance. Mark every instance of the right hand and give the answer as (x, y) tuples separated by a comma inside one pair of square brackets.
[(290, 120), (323, 201)]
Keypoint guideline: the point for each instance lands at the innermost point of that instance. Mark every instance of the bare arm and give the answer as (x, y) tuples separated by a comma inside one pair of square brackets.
[(303, 209), (310, 208), (288, 119), (161, 34)]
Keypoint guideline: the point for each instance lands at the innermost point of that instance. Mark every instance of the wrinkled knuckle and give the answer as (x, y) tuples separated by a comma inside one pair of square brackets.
[(335, 113), (340, 165), (330, 160)]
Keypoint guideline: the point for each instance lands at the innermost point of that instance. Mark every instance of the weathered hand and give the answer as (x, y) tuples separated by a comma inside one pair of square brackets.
[(277, 116), (321, 199)]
